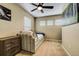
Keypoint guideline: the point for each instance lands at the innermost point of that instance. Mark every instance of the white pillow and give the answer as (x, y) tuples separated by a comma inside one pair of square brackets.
[(40, 36)]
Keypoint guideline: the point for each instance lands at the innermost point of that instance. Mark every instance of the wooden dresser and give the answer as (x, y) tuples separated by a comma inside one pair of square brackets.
[(9, 46)]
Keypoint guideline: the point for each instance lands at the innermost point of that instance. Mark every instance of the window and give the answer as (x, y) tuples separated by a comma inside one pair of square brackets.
[(49, 22), (60, 22), (42, 23), (65, 21), (27, 24), (71, 21)]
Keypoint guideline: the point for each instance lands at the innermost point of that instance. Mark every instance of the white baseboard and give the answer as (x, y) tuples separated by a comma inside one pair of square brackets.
[(55, 40), (66, 51)]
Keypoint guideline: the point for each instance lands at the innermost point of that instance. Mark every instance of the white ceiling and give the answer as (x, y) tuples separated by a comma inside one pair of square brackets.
[(58, 9)]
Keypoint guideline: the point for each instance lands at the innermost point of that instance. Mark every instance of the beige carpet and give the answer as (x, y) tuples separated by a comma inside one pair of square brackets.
[(48, 48)]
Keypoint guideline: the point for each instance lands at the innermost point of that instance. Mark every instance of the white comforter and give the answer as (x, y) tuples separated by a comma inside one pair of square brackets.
[(40, 36)]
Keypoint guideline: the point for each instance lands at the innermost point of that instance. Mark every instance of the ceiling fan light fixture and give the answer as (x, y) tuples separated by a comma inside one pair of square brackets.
[(40, 8)]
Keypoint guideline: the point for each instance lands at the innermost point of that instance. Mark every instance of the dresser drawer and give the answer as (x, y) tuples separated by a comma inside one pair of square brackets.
[(15, 40), (7, 41), (7, 45), (12, 51), (11, 40), (10, 46)]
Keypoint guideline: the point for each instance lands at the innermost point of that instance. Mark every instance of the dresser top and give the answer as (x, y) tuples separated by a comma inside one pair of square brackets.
[(5, 38)]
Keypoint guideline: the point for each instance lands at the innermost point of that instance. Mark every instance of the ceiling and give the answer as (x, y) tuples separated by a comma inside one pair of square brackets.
[(58, 9)]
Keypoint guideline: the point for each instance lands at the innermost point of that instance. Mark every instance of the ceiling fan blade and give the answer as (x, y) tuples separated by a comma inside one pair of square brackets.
[(49, 7), (33, 9), (42, 11), (41, 3), (34, 4)]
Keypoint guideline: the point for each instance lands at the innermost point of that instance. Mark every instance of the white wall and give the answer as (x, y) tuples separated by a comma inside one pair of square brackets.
[(8, 28), (70, 39)]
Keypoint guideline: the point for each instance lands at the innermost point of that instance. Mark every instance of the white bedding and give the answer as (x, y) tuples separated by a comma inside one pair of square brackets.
[(40, 36), (39, 40)]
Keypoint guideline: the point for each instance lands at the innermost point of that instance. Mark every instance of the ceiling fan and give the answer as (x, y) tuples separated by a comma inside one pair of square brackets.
[(40, 7)]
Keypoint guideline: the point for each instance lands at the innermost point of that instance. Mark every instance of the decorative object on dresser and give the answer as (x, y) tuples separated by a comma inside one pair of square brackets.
[(9, 46)]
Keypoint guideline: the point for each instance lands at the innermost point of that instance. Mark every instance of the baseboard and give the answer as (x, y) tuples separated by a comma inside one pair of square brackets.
[(66, 51), (54, 40)]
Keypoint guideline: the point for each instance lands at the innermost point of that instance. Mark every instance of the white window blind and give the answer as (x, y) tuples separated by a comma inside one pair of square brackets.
[(60, 22), (27, 24), (42, 23), (49, 22)]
